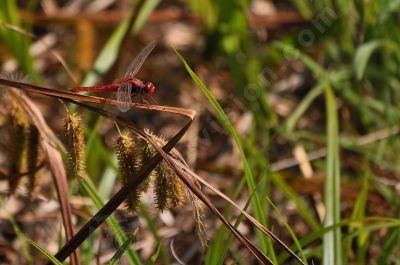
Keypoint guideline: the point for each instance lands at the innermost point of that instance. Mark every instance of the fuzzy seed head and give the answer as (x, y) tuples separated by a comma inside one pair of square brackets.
[(198, 214), (133, 153), (75, 144), (168, 187), (129, 163)]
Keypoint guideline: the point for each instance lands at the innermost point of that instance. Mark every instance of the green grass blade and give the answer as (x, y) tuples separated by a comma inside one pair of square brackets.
[(391, 242), (228, 242), (289, 229), (121, 250), (291, 194), (16, 43), (304, 8), (381, 222), (258, 209), (220, 244), (25, 239), (107, 56), (144, 14), (18, 232), (290, 51), (303, 106), (153, 228), (44, 252), (332, 254), (362, 55), (155, 256), (359, 213), (111, 221)]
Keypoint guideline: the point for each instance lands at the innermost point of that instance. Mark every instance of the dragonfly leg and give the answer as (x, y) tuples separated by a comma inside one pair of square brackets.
[(142, 99)]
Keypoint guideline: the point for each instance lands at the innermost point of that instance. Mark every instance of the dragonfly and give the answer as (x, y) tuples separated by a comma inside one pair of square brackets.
[(128, 87)]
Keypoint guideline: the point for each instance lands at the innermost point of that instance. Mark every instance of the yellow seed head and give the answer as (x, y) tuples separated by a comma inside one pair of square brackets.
[(75, 144), (129, 161), (168, 188)]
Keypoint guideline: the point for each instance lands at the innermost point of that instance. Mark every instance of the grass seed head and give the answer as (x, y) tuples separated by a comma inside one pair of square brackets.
[(168, 188), (75, 144), (18, 128), (133, 153), (129, 161), (198, 214)]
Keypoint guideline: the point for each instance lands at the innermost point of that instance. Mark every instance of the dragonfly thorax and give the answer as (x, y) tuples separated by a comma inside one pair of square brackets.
[(139, 87)]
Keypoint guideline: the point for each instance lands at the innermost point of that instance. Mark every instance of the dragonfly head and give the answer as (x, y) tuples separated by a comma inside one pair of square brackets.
[(149, 88)]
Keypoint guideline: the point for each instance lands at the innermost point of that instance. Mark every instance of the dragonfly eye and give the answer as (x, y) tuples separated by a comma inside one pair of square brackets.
[(150, 88)]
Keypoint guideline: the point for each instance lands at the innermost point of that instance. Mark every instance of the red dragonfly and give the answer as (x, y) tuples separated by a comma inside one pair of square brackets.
[(129, 86)]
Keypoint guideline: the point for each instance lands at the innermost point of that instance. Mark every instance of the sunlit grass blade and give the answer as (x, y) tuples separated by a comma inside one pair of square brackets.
[(258, 209), (332, 244)]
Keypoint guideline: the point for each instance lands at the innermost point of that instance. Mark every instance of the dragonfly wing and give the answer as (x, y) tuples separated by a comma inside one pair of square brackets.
[(124, 97), (137, 63)]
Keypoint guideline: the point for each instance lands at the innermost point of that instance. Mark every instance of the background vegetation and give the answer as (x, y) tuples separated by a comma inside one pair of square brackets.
[(297, 121)]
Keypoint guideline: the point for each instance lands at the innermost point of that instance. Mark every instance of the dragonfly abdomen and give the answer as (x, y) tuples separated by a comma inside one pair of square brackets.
[(110, 87)]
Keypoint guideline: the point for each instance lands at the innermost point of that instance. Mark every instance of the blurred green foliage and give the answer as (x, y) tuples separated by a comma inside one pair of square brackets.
[(352, 46), (350, 54)]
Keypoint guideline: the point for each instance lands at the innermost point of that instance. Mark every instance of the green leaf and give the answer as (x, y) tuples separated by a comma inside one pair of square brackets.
[(144, 14), (44, 251), (303, 106), (363, 53), (154, 257), (332, 253), (359, 213), (121, 250)]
